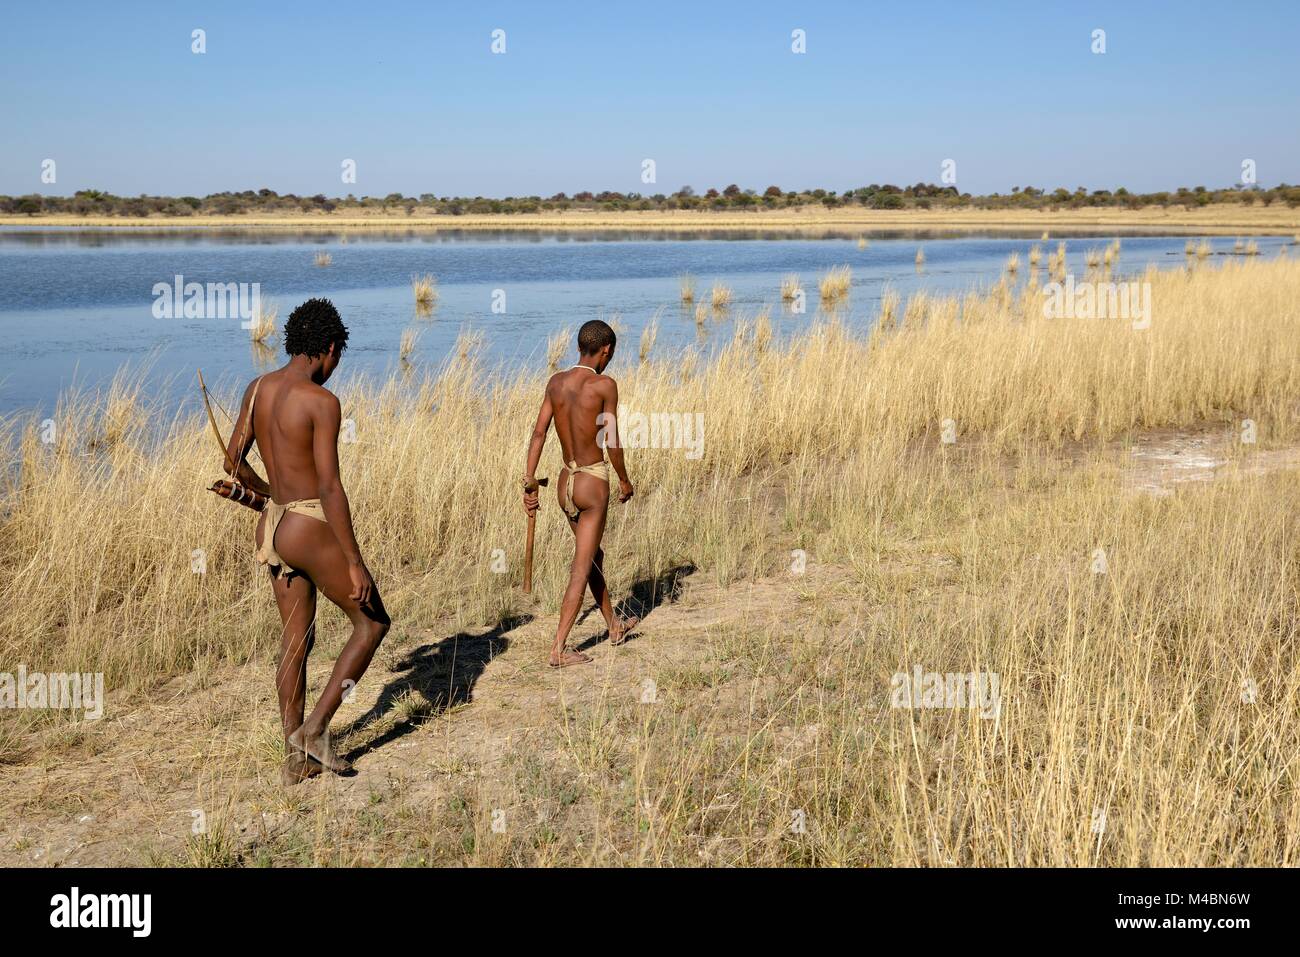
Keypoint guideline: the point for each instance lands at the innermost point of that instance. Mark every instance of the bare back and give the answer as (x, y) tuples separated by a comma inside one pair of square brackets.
[(577, 398), (284, 426)]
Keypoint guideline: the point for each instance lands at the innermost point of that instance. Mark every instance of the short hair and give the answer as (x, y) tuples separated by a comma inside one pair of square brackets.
[(593, 336), (313, 327)]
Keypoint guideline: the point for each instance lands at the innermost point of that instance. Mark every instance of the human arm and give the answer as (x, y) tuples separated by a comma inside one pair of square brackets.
[(535, 445)]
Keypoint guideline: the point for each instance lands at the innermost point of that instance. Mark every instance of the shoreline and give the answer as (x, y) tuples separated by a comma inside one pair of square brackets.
[(1234, 220)]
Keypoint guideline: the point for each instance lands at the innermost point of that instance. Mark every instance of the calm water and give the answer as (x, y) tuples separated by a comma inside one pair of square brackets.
[(77, 305)]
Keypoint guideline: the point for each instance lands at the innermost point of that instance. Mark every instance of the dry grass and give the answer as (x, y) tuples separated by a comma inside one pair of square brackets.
[(920, 258), (1219, 219), (558, 345), (1035, 256), (889, 300), (835, 284), (648, 336), (1122, 694), (720, 296), (1013, 263), (425, 289), (262, 328), (406, 348), (687, 283), (323, 259), (1203, 249), (790, 287)]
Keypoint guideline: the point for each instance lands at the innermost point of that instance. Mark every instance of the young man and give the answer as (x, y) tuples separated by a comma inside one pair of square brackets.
[(307, 542), (582, 402)]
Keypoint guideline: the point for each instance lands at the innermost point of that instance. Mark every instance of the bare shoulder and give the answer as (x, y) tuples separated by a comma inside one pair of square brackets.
[(317, 397)]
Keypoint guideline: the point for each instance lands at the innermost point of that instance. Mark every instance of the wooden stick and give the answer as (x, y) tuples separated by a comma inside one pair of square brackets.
[(528, 542)]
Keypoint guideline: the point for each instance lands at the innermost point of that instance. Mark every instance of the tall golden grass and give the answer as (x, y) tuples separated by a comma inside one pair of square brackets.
[(835, 284), (1122, 693), (323, 259), (425, 289), (648, 336), (406, 347), (262, 326)]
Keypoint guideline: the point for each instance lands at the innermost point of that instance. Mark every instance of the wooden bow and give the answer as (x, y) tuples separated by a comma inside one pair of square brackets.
[(232, 468)]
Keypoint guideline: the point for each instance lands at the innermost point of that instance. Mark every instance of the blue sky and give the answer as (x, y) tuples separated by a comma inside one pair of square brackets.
[(585, 92)]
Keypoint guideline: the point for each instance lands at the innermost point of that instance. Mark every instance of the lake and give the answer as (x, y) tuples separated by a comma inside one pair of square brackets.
[(76, 305)]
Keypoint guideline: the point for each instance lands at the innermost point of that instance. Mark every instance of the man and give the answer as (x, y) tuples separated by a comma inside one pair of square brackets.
[(307, 543), (582, 401)]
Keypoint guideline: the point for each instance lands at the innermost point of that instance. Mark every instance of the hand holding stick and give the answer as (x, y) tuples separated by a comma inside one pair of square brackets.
[(530, 506)]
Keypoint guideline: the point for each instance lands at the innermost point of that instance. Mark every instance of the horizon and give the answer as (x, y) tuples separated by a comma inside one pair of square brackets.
[(280, 99)]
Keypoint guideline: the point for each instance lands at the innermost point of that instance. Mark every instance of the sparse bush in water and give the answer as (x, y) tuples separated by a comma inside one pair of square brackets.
[(835, 283), (425, 289), (262, 325)]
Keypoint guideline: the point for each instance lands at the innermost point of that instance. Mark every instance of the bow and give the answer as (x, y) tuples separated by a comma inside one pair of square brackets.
[(231, 467)]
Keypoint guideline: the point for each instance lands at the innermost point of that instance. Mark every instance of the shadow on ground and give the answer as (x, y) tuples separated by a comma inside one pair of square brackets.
[(439, 675), (646, 595)]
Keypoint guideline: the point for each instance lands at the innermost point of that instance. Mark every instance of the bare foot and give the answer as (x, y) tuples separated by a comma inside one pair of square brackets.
[(567, 658), (297, 768), (621, 628), (318, 747)]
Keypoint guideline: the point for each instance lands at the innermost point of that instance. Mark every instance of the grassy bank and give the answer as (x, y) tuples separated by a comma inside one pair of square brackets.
[(1217, 219), (1157, 696)]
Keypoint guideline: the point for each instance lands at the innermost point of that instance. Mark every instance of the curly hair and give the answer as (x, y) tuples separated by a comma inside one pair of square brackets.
[(313, 327), (593, 335)]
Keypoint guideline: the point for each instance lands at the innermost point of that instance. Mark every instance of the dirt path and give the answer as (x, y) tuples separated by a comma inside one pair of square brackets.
[(435, 707), (1162, 460)]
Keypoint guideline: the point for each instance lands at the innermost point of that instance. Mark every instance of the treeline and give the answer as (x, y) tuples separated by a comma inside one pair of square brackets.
[(93, 202)]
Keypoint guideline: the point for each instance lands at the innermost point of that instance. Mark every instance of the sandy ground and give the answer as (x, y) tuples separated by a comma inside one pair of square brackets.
[(439, 711), (127, 792), (1223, 219)]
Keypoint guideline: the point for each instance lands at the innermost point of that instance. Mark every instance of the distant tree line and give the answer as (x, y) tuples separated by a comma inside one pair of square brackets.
[(94, 202)]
